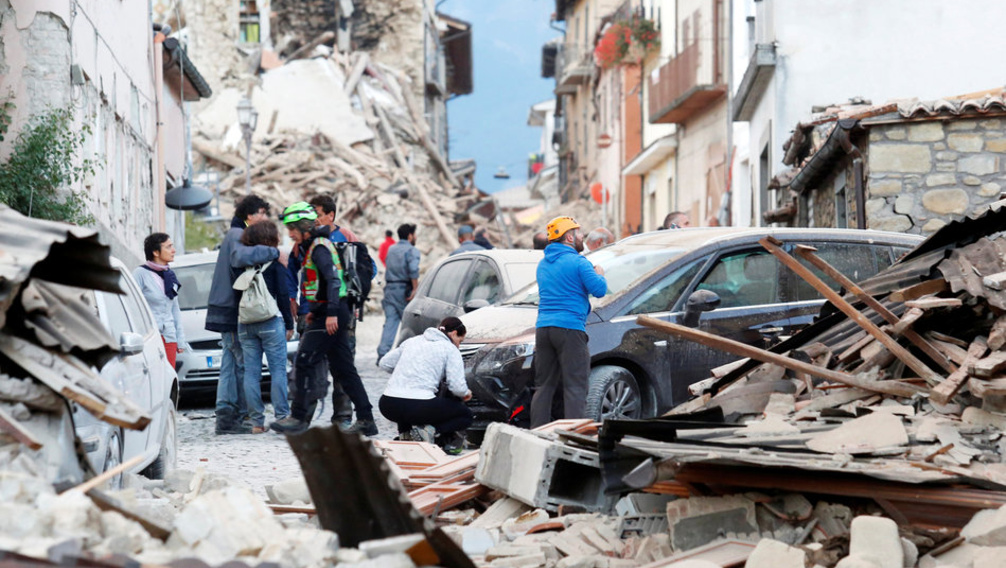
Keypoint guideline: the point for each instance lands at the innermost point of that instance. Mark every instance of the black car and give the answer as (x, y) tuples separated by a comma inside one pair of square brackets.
[(639, 372)]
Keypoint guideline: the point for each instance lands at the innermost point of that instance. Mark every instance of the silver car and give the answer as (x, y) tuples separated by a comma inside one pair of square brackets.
[(140, 371), (198, 366)]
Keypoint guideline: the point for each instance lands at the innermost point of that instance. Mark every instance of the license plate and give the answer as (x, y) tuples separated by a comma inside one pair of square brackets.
[(213, 362)]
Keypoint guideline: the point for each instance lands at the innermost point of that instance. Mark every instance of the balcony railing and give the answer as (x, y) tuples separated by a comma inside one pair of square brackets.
[(678, 92), (574, 65)]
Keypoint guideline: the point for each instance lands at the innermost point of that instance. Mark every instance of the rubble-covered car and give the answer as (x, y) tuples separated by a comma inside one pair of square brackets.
[(198, 366), (141, 371), (637, 372), (466, 282)]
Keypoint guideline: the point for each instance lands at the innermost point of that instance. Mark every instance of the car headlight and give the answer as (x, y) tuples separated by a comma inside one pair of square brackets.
[(505, 353)]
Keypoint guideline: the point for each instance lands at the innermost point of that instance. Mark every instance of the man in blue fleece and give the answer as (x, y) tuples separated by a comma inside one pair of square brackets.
[(561, 358)]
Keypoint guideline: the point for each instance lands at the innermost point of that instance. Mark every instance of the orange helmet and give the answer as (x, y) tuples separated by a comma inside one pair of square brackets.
[(557, 227)]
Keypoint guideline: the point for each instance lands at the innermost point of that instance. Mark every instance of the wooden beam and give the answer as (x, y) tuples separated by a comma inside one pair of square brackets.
[(919, 290), (744, 350), (11, 426), (306, 49), (807, 253), (943, 392), (105, 476), (934, 303), (774, 246), (362, 60), (213, 153)]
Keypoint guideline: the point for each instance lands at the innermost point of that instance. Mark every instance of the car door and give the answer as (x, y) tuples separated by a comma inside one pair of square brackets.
[(151, 395), (441, 298), (128, 372)]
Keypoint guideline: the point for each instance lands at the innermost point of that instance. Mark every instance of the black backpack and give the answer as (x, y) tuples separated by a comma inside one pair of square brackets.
[(357, 269)]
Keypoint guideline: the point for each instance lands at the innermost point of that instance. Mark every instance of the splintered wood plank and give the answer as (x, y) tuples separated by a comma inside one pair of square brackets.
[(901, 326), (446, 470), (11, 426), (774, 246), (943, 392), (919, 290), (934, 303), (989, 366), (726, 553), (895, 388)]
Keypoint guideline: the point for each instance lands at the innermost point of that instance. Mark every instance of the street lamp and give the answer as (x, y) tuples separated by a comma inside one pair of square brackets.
[(247, 118)]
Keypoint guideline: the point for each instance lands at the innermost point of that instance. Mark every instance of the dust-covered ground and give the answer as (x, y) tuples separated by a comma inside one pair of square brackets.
[(264, 459)]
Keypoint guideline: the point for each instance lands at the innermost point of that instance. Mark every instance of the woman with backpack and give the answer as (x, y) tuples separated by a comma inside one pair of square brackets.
[(265, 324), (417, 368)]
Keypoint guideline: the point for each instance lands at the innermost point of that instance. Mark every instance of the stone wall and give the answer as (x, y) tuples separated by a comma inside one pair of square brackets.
[(922, 175)]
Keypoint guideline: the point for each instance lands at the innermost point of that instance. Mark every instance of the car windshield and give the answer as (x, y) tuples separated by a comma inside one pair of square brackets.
[(195, 280), (622, 266)]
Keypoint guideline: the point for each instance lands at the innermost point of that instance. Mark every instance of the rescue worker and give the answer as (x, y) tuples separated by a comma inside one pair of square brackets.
[(328, 318), (401, 278), (561, 358)]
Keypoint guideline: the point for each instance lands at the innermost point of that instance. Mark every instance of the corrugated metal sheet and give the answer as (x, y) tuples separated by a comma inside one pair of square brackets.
[(51, 251)]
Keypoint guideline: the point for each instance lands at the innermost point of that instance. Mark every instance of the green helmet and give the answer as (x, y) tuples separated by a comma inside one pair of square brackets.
[(298, 211)]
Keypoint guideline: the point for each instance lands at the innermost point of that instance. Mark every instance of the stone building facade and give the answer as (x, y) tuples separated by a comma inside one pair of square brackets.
[(910, 168)]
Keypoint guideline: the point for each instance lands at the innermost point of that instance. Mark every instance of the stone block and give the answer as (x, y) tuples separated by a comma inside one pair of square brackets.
[(966, 142), (896, 134), (540, 472), (990, 189), (925, 132), (884, 187), (981, 165), (895, 223), (987, 528), (911, 553), (941, 179), (288, 492), (962, 124), (933, 225), (122, 536), (979, 417), (962, 556), (876, 135), (946, 156), (517, 526), (638, 503), (996, 145), (874, 206), (390, 545), (989, 557), (877, 537), (858, 561), (863, 435), (500, 511), (904, 204), (946, 201), (700, 520), (971, 180), (774, 554), (990, 124), (902, 158), (399, 560), (946, 167)]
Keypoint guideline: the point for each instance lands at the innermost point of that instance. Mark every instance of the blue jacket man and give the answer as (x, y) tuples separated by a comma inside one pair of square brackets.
[(561, 358), (401, 277)]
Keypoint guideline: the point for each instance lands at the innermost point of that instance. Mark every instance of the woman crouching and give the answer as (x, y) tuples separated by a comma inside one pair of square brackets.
[(417, 367)]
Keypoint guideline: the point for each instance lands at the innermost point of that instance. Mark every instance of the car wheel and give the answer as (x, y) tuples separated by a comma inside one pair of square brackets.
[(113, 457), (167, 458), (612, 392)]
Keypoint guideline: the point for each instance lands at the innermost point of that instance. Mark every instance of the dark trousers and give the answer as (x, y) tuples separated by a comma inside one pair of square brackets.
[(310, 378), (342, 406), (561, 360), (446, 414), (343, 369)]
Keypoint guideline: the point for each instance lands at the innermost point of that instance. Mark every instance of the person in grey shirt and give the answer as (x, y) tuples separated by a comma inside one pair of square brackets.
[(401, 277), (466, 236), (160, 288)]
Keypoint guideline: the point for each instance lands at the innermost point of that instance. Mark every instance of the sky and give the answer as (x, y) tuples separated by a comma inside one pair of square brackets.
[(490, 124)]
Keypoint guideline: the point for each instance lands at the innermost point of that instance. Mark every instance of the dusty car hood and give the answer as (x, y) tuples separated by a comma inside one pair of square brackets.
[(496, 323)]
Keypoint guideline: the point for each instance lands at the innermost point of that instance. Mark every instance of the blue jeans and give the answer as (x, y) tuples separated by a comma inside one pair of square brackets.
[(393, 304), (231, 404), (268, 336)]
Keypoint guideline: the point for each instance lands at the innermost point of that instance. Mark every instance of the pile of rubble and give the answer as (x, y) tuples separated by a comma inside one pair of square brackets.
[(346, 126)]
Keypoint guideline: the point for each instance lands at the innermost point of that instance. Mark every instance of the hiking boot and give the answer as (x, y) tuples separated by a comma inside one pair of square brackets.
[(238, 428), (424, 433), (455, 444), (289, 425), (362, 427)]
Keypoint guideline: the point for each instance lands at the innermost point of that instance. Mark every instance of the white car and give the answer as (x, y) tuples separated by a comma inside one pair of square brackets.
[(198, 367), (141, 372)]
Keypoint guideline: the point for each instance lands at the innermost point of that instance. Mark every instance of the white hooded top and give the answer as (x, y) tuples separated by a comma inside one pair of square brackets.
[(419, 364)]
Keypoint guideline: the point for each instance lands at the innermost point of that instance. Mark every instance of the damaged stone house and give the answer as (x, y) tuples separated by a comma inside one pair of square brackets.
[(124, 81), (908, 167)]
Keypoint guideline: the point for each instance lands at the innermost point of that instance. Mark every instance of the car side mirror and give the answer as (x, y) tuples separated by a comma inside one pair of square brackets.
[(472, 305), (699, 301), (130, 343)]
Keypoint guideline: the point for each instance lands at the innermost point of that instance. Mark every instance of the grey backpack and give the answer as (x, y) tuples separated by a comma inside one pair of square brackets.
[(257, 304)]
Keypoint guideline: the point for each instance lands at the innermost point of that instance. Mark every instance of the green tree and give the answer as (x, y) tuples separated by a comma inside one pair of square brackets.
[(36, 180)]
